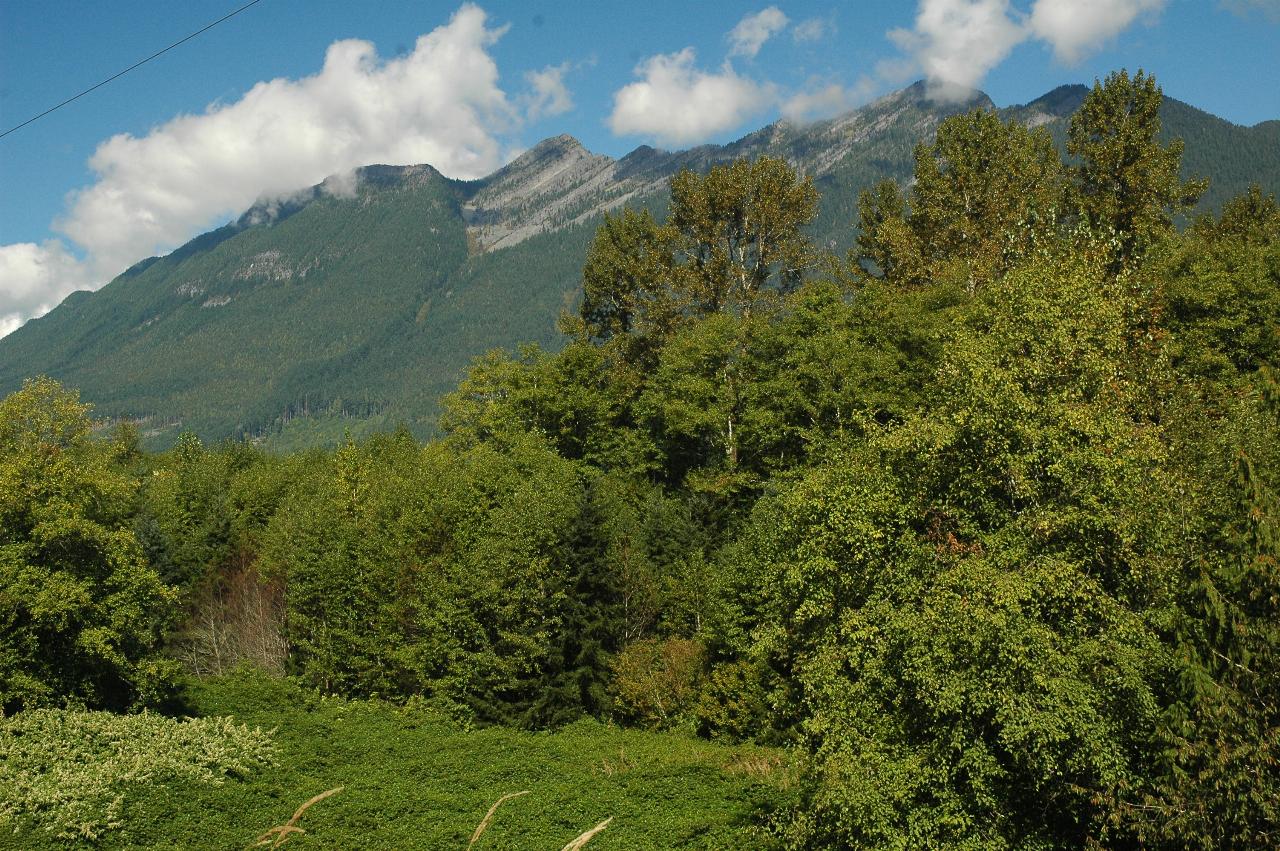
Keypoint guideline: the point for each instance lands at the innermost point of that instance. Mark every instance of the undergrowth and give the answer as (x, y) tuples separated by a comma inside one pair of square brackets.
[(414, 779), (66, 774)]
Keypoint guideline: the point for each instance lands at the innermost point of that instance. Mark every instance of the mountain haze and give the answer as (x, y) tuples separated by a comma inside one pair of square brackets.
[(358, 302)]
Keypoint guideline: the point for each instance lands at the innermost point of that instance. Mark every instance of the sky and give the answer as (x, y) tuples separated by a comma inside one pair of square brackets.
[(288, 93)]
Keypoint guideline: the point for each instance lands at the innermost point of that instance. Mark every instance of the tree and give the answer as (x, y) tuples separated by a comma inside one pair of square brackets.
[(632, 288), (1126, 179), (741, 231), (886, 246), (984, 192), (732, 242), (1219, 779), (185, 519), (1221, 293), (429, 571), (82, 615), (961, 606)]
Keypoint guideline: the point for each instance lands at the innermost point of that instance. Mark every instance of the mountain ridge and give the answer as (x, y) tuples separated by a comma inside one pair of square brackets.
[(251, 326)]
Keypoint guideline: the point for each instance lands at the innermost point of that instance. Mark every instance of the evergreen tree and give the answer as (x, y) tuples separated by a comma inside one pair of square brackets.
[(1219, 784)]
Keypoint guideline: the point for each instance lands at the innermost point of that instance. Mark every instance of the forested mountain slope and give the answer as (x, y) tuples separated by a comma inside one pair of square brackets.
[(356, 308)]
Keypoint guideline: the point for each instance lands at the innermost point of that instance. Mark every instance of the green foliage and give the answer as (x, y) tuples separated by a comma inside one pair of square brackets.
[(415, 780), (1221, 734), (1126, 179), (186, 524), (427, 571), (732, 244), (657, 681), (741, 229), (984, 191), (734, 703), (696, 358), (982, 523), (1223, 292), (574, 399), (734, 400), (67, 773), (81, 612), (963, 601), (630, 279)]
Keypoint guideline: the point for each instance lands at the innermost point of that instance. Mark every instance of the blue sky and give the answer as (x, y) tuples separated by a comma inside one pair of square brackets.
[(253, 106)]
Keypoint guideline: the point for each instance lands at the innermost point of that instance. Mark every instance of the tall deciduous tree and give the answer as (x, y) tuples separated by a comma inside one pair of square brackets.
[(733, 241), (984, 191), (741, 231), (1127, 180)]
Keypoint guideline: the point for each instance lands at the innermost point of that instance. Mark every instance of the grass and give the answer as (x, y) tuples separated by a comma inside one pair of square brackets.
[(414, 780)]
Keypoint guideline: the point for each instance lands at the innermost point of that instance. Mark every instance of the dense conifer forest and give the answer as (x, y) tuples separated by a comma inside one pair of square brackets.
[(965, 539)]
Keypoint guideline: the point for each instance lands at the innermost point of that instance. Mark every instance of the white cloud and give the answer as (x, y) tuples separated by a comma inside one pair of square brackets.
[(676, 103), (548, 93), (439, 104), (813, 29), (824, 101), (1075, 27), (34, 278), (956, 42), (1270, 8), (753, 31)]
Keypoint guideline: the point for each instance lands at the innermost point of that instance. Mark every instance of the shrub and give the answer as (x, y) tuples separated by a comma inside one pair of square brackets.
[(655, 681), (67, 772)]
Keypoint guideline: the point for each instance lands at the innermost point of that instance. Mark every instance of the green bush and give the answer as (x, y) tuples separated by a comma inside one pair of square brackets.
[(68, 773), (656, 681), (734, 702)]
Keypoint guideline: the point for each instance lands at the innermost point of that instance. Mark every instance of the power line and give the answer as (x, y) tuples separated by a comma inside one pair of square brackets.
[(131, 67)]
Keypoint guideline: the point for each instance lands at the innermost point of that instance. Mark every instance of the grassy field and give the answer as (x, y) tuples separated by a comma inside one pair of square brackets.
[(413, 780)]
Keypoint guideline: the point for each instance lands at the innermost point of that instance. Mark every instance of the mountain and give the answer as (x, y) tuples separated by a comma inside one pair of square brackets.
[(355, 304), (1233, 157)]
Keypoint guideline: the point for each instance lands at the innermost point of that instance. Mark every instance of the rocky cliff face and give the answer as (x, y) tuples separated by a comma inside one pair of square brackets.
[(558, 183)]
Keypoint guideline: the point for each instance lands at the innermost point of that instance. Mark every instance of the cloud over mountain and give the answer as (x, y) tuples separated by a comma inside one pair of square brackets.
[(441, 103), (955, 43), (34, 278), (677, 103)]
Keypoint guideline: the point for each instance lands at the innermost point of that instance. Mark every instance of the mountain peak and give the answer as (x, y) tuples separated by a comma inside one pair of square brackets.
[(533, 192), (944, 93), (541, 156), (563, 142), (220, 335), (1060, 102)]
